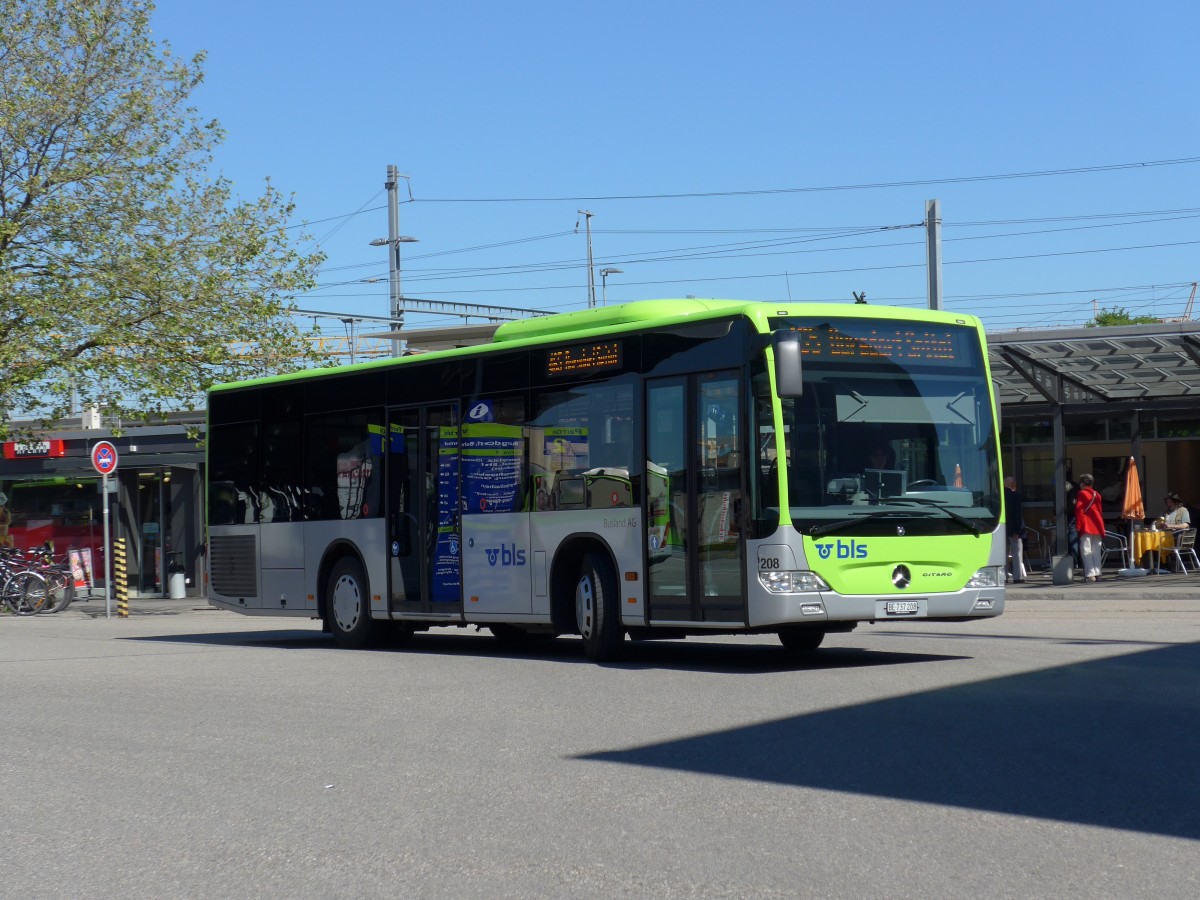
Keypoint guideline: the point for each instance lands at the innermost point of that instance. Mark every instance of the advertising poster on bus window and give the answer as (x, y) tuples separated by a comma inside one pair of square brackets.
[(492, 463), (565, 448), (447, 573)]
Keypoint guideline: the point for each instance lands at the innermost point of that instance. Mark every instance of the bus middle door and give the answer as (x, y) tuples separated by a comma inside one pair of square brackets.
[(424, 547), (496, 542)]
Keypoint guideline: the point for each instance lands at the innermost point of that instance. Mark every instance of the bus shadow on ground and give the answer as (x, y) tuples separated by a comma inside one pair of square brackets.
[(1111, 743), (284, 639), (681, 655)]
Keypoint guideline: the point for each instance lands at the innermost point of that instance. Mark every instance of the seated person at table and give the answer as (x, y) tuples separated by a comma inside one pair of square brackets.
[(1177, 517)]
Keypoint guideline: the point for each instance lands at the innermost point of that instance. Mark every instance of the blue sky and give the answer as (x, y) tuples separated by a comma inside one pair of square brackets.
[(509, 118)]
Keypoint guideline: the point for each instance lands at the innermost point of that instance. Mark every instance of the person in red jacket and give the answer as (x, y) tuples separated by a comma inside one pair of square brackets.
[(1089, 521)]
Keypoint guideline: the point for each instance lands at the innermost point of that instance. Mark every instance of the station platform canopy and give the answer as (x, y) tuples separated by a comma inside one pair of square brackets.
[(1122, 367), (445, 337)]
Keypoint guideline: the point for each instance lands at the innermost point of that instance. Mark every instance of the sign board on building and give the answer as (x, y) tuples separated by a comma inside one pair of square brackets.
[(35, 449)]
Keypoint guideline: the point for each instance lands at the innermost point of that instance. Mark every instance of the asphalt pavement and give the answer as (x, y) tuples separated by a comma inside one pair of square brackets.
[(1047, 753)]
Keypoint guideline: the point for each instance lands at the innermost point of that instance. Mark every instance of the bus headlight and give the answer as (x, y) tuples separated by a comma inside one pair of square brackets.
[(798, 582), (989, 576)]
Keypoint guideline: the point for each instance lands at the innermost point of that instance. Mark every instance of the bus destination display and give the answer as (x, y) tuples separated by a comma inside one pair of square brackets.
[(583, 358), (902, 342)]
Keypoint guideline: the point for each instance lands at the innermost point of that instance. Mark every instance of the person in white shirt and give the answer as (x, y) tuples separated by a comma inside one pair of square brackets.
[(1177, 517)]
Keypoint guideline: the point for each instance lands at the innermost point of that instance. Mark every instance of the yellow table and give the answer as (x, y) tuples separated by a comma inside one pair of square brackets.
[(1148, 541)]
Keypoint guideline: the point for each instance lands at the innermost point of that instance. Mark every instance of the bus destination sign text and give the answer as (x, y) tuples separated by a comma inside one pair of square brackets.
[(583, 358), (906, 343)]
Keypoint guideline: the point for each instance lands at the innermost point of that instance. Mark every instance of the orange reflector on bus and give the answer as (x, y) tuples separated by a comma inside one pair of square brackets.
[(631, 576), (633, 599), (474, 599)]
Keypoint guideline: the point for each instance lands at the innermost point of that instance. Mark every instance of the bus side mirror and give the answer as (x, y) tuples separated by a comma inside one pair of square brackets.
[(789, 379)]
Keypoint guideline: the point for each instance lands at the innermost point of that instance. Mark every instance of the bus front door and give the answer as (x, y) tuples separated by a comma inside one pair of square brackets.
[(695, 485), (424, 568)]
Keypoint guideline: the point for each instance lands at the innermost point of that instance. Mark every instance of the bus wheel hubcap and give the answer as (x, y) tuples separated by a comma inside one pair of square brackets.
[(585, 606), (346, 603)]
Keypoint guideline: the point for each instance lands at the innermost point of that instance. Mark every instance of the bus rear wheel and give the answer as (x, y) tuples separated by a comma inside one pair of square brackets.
[(801, 641), (348, 605), (597, 609)]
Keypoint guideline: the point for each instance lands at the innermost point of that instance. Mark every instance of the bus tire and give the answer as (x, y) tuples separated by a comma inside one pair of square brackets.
[(597, 609), (348, 605), (801, 641)]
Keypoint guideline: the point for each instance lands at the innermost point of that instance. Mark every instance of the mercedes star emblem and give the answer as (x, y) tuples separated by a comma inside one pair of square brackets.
[(901, 577)]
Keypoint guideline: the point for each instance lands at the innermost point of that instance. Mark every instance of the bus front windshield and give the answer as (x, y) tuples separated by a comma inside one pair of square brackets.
[(893, 434)]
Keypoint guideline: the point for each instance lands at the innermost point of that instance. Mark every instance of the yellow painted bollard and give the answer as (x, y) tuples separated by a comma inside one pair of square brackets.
[(120, 584)]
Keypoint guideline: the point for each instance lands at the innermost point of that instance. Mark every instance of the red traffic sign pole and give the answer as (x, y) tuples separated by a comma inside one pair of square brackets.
[(104, 461)]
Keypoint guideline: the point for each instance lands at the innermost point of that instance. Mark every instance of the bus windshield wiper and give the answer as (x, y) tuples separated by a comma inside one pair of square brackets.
[(925, 501), (843, 524)]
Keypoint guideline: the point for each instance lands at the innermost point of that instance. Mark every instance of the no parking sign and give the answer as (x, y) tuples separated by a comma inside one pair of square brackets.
[(104, 457)]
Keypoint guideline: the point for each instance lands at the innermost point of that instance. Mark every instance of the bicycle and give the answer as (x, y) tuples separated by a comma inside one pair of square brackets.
[(23, 589), (60, 582)]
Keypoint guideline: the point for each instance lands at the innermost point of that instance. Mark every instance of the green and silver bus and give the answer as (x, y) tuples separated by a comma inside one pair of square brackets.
[(653, 470)]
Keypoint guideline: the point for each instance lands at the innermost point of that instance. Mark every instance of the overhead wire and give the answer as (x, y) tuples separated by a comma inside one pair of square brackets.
[(740, 252), (738, 249), (784, 244), (964, 179)]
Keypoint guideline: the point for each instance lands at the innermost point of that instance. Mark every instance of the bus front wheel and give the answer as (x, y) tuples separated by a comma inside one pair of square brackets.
[(801, 641), (597, 609), (348, 606)]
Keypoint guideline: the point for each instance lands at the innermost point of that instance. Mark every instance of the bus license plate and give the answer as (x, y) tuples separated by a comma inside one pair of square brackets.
[(901, 607)]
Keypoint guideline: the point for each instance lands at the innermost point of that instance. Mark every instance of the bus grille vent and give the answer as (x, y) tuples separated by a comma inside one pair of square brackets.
[(233, 564)]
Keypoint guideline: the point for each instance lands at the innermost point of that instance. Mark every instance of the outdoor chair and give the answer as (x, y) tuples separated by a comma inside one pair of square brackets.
[(1185, 546), (1037, 549), (1117, 544)]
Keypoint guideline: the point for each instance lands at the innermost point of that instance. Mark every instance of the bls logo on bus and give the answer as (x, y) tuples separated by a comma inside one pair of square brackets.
[(851, 550), (505, 556)]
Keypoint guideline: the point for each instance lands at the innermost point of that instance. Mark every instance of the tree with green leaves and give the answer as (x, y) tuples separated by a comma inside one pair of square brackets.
[(130, 278), (1118, 315)]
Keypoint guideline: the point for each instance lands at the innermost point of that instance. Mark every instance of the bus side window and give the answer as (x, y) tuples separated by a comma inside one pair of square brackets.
[(236, 469), (581, 447), (343, 465)]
